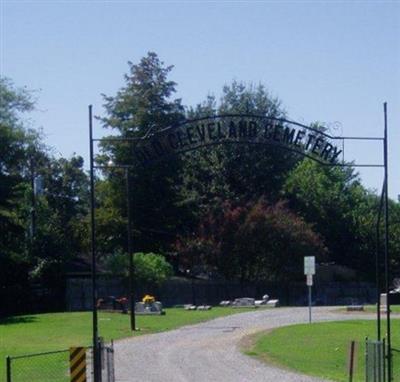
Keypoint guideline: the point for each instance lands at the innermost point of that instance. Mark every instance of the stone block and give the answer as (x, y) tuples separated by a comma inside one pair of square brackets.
[(355, 308), (244, 302), (273, 303), (190, 307), (204, 307)]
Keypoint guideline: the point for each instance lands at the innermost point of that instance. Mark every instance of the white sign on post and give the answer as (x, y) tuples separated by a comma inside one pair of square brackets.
[(309, 271), (309, 265)]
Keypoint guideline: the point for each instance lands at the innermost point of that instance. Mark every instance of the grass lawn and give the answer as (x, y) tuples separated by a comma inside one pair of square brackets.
[(321, 349), (57, 331)]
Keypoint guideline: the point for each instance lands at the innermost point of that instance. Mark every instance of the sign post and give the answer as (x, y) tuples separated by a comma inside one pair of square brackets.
[(309, 271)]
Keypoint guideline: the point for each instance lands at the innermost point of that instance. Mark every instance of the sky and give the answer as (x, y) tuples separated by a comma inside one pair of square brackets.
[(335, 62)]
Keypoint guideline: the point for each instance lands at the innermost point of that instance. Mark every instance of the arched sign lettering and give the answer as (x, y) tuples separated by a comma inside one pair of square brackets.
[(250, 129)]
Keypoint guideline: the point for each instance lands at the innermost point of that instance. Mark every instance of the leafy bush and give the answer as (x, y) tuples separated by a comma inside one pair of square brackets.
[(150, 268), (257, 242)]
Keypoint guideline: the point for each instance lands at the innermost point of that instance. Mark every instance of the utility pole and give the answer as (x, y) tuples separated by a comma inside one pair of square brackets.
[(130, 251)]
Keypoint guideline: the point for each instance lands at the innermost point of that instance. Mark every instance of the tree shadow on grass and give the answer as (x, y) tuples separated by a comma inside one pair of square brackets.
[(18, 320)]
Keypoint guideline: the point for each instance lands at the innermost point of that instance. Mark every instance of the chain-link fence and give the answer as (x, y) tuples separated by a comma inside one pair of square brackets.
[(43, 367), (367, 361), (375, 365), (55, 366), (107, 363)]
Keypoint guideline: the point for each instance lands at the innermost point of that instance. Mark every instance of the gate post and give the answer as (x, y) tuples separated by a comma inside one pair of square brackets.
[(8, 366)]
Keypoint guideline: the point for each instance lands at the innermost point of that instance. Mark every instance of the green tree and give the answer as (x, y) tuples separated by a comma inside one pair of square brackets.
[(144, 102), (144, 105), (14, 103), (13, 139), (236, 172), (41, 231), (60, 213), (341, 210)]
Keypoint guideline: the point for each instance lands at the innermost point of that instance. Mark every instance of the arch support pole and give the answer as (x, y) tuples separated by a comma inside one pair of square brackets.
[(387, 256), (96, 350)]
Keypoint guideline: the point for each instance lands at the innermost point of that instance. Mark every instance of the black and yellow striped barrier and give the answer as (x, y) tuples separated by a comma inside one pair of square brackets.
[(77, 362)]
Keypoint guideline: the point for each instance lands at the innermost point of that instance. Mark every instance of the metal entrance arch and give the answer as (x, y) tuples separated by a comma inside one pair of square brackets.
[(189, 135)]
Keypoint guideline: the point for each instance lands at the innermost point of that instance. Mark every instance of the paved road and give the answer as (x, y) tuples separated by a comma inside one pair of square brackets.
[(208, 352)]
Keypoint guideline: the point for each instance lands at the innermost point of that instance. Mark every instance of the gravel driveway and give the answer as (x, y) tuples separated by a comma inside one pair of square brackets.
[(208, 352)]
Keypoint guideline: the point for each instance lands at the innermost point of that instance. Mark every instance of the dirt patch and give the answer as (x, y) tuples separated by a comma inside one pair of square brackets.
[(247, 346), (248, 342)]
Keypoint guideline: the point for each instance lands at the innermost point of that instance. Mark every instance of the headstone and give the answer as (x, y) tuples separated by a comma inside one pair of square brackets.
[(153, 308), (204, 307), (273, 303), (243, 302), (139, 307), (355, 308), (189, 307), (263, 301), (157, 306)]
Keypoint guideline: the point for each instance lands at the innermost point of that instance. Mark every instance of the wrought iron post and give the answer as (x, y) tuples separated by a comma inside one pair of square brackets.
[(366, 360), (130, 251), (96, 353), (8, 366), (387, 259), (378, 265)]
